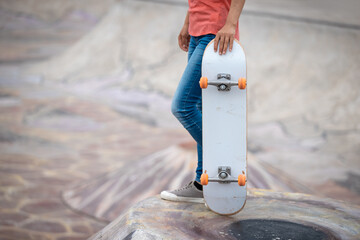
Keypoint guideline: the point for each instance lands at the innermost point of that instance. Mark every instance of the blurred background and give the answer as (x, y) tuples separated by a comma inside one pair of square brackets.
[(85, 92)]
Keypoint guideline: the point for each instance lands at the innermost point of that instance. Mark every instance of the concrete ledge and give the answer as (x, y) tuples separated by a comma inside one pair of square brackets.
[(267, 215)]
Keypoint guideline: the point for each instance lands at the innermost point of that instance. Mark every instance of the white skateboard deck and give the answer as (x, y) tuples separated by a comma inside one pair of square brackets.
[(224, 122)]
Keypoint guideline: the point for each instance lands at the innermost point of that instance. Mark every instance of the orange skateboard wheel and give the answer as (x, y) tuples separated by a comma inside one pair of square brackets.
[(204, 179), (242, 179), (242, 83), (203, 82)]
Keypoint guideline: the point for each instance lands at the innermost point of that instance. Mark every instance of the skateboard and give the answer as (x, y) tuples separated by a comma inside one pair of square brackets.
[(224, 121)]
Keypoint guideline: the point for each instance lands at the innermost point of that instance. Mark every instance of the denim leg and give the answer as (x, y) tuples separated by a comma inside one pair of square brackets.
[(199, 149), (186, 104), (187, 96), (192, 46), (199, 165)]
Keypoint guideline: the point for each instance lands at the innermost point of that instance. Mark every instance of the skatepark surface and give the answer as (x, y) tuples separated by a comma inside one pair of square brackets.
[(86, 130), (268, 215)]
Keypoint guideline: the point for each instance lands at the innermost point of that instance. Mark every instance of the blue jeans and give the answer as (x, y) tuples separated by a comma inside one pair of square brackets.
[(186, 104)]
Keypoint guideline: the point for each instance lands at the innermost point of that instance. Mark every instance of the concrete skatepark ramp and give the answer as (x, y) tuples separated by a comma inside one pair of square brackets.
[(85, 106), (108, 196), (267, 215)]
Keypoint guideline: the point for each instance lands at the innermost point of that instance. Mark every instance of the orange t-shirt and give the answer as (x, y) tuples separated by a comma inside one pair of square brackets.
[(208, 16)]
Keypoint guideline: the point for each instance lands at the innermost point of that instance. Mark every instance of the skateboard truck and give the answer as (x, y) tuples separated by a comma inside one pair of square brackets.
[(223, 176), (224, 173), (223, 82)]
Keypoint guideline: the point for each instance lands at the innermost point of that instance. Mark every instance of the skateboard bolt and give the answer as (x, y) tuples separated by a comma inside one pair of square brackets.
[(223, 175), (222, 87)]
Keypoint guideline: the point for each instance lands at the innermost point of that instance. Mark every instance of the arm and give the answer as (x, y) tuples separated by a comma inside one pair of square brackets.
[(184, 37), (226, 34)]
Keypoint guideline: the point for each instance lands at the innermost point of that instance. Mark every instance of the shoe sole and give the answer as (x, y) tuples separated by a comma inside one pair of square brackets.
[(172, 197)]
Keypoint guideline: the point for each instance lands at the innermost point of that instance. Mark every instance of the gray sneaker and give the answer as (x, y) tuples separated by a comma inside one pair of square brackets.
[(189, 193)]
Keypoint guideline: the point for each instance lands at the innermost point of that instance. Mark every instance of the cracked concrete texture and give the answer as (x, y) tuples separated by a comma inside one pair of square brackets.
[(329, 218), (165, 169), (47, 145)]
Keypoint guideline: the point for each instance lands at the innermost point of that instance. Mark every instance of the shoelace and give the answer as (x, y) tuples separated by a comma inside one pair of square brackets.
[(183, 188)]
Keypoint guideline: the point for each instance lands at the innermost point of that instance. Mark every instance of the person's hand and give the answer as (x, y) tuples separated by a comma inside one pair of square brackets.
[(224, 38), (184, 38)]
